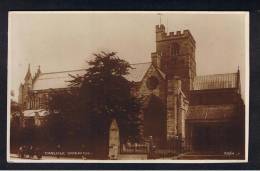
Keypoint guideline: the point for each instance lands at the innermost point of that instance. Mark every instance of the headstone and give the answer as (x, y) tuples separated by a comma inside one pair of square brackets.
[(114, 141)]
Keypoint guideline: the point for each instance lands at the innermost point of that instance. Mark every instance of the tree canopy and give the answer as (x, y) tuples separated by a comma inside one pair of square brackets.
[(100, 95)]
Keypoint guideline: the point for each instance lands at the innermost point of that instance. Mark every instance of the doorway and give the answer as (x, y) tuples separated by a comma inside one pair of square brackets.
[(208, 138), (155, 120)]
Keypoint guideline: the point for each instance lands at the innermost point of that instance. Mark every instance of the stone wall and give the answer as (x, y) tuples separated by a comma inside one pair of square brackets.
[(177, 107)]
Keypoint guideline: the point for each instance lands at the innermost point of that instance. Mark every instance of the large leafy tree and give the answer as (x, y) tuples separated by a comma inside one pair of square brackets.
[(103, 93)]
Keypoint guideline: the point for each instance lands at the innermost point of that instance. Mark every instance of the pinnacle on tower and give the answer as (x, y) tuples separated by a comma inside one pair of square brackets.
[(28, 74), (39, 69), (29, 68)]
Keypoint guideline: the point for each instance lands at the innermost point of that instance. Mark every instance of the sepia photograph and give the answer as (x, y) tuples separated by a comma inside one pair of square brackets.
[(128, 87)]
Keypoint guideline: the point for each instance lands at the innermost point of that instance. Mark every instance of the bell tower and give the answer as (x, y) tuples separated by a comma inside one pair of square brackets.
[(175, 55)]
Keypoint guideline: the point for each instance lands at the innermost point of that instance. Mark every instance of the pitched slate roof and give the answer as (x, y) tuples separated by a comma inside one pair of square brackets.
[(59, 80), (211, 112), (217, 81), (55, 80), (137, 73)]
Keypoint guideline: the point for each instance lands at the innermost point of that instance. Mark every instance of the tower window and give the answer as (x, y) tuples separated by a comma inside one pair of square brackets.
[(175, 49)]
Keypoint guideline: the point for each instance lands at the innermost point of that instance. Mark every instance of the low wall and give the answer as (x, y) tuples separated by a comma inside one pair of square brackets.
[(132, 157)]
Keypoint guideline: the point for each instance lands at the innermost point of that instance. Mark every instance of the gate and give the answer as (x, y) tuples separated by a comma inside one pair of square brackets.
[(134, 148)]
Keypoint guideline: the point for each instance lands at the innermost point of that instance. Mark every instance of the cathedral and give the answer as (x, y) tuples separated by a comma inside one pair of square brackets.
[(206, 112)]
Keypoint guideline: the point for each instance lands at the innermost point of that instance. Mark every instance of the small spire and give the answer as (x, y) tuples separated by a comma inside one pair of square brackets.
[(29, 68), (28, 74), (166, 23), (39, 69), (238, 70), (238, 80), (160, 15)]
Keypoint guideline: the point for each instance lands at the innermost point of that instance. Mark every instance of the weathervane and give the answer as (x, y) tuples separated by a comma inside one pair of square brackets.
[(166, 23), (160, 14)]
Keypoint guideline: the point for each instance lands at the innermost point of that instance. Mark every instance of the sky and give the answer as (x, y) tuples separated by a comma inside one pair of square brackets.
[(59, 41)]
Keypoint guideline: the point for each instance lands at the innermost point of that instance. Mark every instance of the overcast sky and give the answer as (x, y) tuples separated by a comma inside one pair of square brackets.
[(65, 40)]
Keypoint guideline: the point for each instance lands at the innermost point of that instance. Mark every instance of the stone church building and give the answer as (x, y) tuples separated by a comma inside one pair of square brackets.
[(205, 112)]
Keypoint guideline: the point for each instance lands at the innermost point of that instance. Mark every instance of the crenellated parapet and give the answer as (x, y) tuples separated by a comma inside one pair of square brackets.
[(160, 28), (161, 35)]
